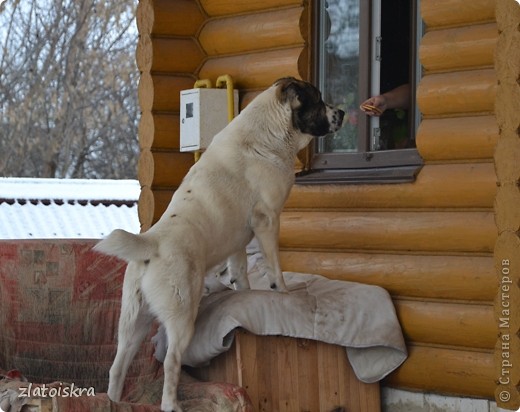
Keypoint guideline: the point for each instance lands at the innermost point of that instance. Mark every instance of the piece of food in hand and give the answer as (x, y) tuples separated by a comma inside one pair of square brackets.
[(370, 108)]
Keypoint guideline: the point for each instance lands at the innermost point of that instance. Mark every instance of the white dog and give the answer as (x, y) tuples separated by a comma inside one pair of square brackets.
[(234, 192)]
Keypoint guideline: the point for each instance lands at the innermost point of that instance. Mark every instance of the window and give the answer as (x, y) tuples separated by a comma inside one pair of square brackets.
[(363, 49)]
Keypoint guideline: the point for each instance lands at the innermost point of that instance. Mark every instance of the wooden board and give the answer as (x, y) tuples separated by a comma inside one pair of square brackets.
[(283, 374)]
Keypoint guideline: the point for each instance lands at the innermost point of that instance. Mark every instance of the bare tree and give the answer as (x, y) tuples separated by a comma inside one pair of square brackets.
[(68, 89)]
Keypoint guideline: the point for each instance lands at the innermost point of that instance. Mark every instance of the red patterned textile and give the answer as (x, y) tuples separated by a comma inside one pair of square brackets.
[(59, 308)]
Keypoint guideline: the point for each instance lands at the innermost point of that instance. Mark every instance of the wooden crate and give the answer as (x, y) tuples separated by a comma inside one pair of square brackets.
[(283, 374)]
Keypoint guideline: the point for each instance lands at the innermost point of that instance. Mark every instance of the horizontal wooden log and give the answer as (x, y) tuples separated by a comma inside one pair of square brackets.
[(457, 138), (507, 263), (144, 53), (162, 92), (439, 13), (437, 186), (507, 15), (219, 8), (470, 278), (145, 92), (242, 33), (451, 324), (459, 48), (507, 355), (144, 17), (507, 209), (507, 248), (457, 93), (160, 203), (403, 231), (146, 130), (509, 376), (508, 95), (162, 199), (163, 169), (507, 154), (169, 18), (157, 170), (507, 61), (145, 168), (170, 168), (145, 208), (171, 55), (446, 371), (255, 70), (471, 186), (160, 130)]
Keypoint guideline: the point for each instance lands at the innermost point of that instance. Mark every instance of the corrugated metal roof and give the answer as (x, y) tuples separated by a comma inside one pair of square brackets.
[(66, 208)]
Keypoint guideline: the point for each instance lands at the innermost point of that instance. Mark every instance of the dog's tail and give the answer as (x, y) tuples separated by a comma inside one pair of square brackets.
[(127, 246)]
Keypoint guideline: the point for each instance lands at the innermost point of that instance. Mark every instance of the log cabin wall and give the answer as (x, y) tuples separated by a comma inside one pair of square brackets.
[(431, 242), (181, 41), (168, 56), (507, 205)]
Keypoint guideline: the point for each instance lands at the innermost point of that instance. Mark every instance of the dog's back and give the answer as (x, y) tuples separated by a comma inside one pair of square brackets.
[(243, 167)]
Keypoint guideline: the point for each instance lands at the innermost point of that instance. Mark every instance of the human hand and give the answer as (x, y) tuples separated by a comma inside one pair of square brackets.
[(375, 106)]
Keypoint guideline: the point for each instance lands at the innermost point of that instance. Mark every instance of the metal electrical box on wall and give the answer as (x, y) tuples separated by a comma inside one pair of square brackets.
[(204, 113)]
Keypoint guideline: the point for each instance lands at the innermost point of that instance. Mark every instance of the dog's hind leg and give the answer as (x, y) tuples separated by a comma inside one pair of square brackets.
[(237, 268), (173, 291), (179, 332), (134, 324)]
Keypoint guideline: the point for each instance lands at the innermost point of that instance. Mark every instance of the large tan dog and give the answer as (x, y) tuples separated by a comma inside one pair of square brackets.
[(234, 192)]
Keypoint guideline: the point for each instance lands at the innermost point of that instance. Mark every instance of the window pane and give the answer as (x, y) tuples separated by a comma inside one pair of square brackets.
[(339, 69)]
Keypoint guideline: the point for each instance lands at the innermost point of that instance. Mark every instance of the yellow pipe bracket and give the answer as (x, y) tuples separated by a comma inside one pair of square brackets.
[(203, 83), (226, 80)]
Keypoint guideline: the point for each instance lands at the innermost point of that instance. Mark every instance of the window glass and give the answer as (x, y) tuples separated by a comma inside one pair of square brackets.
[(380, 45), (339, 70), (362, 51)]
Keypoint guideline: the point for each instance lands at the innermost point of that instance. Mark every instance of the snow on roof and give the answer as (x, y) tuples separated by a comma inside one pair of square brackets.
[(69, 189), (66, 208)]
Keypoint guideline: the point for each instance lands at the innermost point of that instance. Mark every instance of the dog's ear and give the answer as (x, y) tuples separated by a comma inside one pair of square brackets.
[(289, 91)]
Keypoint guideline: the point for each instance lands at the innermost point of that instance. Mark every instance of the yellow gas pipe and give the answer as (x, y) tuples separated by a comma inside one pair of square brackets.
[(226, 80)]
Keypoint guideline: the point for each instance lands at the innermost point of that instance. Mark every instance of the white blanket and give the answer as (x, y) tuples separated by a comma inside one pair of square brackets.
[(359, 317)]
